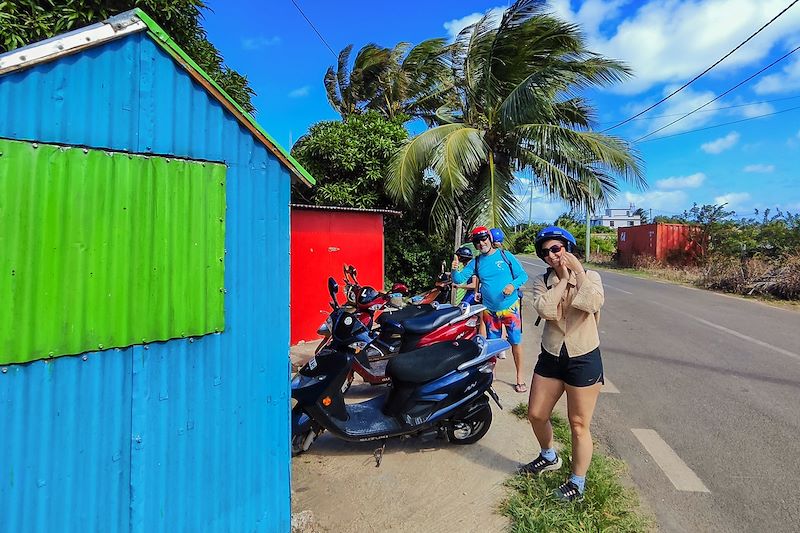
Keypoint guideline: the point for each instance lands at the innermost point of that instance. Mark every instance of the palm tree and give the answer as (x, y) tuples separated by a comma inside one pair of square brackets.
[(416, 81), (348, 90), (517, 110), (405, 81)]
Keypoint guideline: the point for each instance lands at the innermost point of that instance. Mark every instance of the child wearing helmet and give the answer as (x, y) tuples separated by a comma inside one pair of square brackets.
[(497, 237), (465, 292), (569, 298), (500, 276)]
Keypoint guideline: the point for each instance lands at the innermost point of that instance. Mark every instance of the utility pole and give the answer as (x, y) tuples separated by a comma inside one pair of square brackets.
[(530, 205), (650, 219), (588, 232), (458, 243)]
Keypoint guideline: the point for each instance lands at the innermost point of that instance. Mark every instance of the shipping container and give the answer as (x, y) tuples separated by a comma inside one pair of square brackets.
[(323, 240), (145, 224), (668, 243)]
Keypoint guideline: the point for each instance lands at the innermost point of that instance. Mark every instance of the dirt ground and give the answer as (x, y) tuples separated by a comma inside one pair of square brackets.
[(420, 486)]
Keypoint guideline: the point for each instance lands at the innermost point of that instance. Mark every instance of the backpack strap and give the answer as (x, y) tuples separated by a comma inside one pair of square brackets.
[(544, 278)]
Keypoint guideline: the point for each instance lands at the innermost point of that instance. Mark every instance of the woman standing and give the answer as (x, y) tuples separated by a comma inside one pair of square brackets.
[(569, 298)]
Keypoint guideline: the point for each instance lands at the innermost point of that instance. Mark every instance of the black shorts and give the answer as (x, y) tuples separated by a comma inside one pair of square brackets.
[(581, 371)]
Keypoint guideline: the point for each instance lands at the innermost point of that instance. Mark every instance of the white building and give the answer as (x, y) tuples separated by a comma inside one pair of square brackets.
[(618, 218)]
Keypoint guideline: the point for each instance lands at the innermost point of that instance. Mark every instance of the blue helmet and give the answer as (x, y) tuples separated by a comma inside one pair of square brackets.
[(554, 232), (497, 235)]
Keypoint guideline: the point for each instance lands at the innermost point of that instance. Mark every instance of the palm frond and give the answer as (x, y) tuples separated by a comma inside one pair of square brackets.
[(342, 77), (412, 159), (493, 203), (458, 157), (331, 90), (601, 150)]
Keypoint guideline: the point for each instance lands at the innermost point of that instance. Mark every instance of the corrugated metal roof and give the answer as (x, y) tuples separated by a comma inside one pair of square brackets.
[(353, 209), (133, 21)]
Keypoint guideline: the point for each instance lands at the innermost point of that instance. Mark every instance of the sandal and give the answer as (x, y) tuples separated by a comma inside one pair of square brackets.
[(521, 387)]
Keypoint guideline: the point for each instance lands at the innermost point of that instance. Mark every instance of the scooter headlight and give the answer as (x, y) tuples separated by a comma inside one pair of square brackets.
[(326, 327)]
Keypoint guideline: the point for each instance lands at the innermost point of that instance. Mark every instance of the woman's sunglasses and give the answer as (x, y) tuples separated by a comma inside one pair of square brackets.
[(554, 249)]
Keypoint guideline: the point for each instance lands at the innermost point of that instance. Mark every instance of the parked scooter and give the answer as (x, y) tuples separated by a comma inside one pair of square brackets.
[(440, 292), (437, 391), (402, 331), (366, 302)]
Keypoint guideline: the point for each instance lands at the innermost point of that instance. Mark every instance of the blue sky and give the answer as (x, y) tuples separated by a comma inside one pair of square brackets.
[(749, 165)]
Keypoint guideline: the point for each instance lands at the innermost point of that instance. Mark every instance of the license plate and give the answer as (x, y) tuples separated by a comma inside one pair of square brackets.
[(312, 363)]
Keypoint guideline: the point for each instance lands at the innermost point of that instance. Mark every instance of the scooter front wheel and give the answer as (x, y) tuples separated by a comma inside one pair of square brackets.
[(472, 429)]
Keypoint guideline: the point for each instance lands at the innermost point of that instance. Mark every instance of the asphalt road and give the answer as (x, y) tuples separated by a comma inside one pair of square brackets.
[(718, 379)]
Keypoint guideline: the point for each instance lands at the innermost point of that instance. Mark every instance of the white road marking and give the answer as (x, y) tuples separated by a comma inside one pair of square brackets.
[(616, 288), (745, 337), (678, 472), (734, 333), (609, 387)]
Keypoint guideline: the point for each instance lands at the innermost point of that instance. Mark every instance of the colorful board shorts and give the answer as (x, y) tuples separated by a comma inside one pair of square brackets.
[(510, 318)]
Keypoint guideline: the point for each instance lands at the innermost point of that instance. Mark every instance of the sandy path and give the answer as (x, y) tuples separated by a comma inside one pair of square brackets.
[(420, 486)]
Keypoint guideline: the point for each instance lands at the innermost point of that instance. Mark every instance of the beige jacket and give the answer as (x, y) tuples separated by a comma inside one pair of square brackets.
[(572, 319)]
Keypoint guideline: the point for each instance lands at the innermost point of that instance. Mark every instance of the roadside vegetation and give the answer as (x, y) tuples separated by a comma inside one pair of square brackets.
[(752, 256), (608, 505)]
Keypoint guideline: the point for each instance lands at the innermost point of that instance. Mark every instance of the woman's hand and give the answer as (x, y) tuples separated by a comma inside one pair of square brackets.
[(455, 262), (561, 269), (572, 263), (508, 289)]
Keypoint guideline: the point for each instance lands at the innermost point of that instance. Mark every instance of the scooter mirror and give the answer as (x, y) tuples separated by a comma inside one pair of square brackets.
[(333, 288)]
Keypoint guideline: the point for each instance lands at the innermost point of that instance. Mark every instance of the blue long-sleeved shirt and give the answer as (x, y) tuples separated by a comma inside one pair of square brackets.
[(494, 274)]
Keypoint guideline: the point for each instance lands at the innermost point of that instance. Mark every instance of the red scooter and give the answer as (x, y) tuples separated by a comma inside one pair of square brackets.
[(401, 331), (366, 303)]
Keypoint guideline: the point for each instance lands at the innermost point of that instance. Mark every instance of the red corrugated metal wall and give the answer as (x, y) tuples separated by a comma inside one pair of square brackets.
[(661, 241), (322, 241)]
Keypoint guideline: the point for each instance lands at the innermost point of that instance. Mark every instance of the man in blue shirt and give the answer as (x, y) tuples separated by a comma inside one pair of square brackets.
[(500, 276)]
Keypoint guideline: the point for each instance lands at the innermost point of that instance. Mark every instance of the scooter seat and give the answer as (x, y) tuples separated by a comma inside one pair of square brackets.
[(409, 311), (430, 362), (430, 321)]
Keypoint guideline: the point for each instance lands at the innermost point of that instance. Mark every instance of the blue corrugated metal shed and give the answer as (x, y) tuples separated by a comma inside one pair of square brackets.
[(186, 435)]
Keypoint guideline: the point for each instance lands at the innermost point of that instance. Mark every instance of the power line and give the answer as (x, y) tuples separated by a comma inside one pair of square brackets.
[(723, 58), (667, 115), (323, 38), (722, 124), (721, 95)]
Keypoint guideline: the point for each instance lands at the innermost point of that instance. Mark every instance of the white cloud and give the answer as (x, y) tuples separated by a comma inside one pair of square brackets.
[(665, 201), (759, 168), (260, 42), (455, 26), (732, 199), (667, 41), (300, 92), (755, 110), (788, 80), (718, 146), (678, 105), (682, 182)]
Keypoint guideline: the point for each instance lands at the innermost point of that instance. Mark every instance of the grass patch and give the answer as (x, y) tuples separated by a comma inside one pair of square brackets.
[(607, 506), (520, 411)]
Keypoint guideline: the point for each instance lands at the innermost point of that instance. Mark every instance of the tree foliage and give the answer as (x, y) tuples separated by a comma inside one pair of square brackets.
[(516, 82), (348, 158), (23, 22), (403, 82)]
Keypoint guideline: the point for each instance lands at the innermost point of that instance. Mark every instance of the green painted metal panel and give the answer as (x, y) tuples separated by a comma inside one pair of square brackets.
[(102, 249)]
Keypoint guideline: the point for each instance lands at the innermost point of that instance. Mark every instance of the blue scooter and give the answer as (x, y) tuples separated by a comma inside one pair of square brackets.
[(441, 390)]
